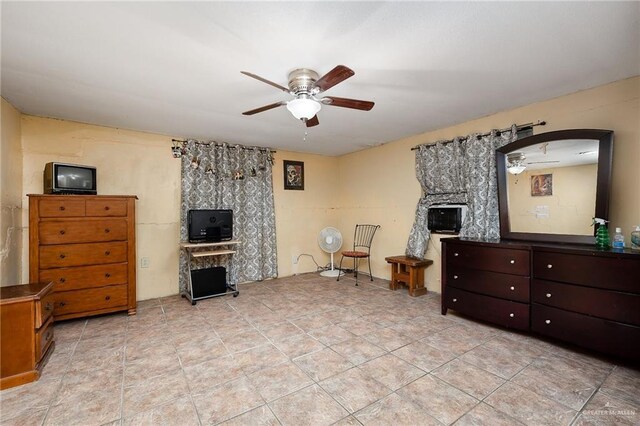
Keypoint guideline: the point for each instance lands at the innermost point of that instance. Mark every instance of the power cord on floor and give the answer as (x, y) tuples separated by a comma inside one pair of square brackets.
[(318, 267)]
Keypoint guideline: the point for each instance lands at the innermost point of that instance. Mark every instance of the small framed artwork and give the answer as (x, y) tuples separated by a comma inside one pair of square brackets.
[(541, 185), (293, 175)]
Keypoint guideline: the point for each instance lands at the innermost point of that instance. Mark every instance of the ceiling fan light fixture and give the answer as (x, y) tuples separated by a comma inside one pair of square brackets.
[(303, 108), (515, 163), (516, 170)]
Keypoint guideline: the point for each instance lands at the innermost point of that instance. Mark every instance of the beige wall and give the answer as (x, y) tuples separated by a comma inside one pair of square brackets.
[(10, 196), (570, 208), (376, 185), (127, 163), (300, 215), (382, 186)]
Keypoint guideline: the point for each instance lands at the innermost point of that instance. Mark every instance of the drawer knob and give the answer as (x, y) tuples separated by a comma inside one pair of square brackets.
[(48, 337), (512, 288), (511, 315), (106, 208), (62, 304), (455, 254), (455, 277), (107, 253), (549, 266), (107, 298), (48, 306), (62, 208), (107, 230), (512, 261), (548, 295), (547, 321), (62, 279), (62, 255), (62, 232), (107, 275), (455, 300)]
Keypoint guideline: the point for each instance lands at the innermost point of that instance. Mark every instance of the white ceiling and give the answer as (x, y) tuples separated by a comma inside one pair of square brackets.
[(562, 153), (174, 68)]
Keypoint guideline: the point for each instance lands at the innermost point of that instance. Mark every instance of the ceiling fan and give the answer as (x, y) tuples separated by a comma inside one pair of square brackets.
[(305, 85)]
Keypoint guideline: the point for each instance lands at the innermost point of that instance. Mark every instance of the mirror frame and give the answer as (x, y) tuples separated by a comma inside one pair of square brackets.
[(603, 183)]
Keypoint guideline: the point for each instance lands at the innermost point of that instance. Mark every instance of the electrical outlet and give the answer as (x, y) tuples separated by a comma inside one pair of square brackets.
[(144, 262), (294, 259)]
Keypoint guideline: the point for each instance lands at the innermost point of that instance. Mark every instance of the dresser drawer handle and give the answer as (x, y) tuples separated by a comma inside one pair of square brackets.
[(549, 266), (512, 288), (547, 321), (62, 208), (62, 232), (106, 208), (107, 230), (62, 279), (62, 304), (455, 300), (455, 254), (107, 253), (107, 275), (455, 277), (511, 315), (48, 306), (512, 261), (62, 255), (548, 295), (107, 298)]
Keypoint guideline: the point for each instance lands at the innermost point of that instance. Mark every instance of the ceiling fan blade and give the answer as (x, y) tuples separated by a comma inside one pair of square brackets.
[(264, 108), (333, 77), (313, 121), (264, 80), (348, 103)]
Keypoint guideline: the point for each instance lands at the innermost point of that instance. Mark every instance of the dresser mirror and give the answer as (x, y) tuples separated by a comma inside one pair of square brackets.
[(552, 185)]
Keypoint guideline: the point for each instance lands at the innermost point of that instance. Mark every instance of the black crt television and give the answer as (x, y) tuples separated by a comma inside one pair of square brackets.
[(209, 226)]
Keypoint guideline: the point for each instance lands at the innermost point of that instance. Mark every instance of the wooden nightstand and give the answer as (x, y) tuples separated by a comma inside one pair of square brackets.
[(26, 332)]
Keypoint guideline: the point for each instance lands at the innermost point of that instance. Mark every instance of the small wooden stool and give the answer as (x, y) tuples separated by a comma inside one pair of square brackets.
[(409, 271)]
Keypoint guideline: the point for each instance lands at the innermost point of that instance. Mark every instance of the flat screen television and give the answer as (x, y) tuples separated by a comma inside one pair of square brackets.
[(210, 225)]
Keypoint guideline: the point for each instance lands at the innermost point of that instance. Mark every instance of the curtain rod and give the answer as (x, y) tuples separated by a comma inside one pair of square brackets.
[(228, 146), (519, 127)]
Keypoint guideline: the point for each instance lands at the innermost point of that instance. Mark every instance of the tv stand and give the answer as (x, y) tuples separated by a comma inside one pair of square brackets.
[(198, 250)]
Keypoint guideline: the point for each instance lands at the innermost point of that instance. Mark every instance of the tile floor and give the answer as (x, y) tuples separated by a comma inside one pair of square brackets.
[(307, 350)]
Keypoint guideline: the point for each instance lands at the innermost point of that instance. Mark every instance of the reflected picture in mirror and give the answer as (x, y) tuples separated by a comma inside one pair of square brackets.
[(552, 185)]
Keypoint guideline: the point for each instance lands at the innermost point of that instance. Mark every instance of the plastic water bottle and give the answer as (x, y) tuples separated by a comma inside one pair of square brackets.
[(635, 238), (618, 239)]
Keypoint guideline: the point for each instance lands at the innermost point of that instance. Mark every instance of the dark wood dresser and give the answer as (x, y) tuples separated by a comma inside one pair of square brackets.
[(26, 332), (86, 245), (574, 293)]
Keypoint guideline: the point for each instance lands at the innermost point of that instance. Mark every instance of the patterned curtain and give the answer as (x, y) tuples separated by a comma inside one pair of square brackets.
[(441, 173), (221, 176), (461, 171), (483, 218)]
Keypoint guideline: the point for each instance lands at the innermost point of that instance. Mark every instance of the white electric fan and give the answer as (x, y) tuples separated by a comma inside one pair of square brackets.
[(330, 240)]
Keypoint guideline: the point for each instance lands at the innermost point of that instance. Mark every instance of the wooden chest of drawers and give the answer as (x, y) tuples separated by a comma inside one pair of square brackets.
[(576, 294), (487, 281), (589, 298), (85, 245), (27, 332)]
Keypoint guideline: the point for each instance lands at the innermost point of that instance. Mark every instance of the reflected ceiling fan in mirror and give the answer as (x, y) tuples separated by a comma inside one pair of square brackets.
[(305, 86), (515, 163)]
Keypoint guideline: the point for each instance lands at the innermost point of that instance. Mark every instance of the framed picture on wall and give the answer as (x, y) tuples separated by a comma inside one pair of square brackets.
[(293, 175), (541, 185)]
